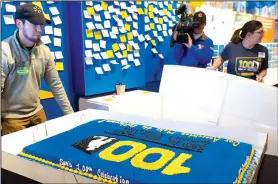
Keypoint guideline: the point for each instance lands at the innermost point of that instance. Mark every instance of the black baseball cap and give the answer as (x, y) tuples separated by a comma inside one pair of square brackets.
[(200, 17), (32, 13)]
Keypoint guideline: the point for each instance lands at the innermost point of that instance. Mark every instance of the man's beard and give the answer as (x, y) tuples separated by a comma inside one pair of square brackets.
[(31, 39)]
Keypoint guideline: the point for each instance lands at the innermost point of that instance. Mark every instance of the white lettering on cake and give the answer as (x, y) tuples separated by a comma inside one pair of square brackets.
[(117, 179), (99, 141), (65, 163), (117, 122)]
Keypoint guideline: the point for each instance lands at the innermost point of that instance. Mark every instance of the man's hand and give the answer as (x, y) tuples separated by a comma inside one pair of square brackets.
[(189, 44), (259, 78)]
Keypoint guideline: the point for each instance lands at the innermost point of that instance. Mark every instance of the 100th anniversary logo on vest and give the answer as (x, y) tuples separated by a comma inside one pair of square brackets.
[(22, 68)]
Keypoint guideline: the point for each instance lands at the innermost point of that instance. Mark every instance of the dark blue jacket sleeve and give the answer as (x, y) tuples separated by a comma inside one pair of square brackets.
[(203, 55), (178, 52)]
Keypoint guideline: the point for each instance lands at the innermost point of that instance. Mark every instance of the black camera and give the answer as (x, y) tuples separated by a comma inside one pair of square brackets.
[(186, 25)]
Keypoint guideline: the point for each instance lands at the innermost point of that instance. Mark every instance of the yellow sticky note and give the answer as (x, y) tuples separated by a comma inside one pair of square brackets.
[(124, 14), (115, 47), (151, 8), (91, 11), (165, 11), (160, 20), (45, 95), (47, 16), (140, 11), (89, 33), (146, 11), (124, 53), (98, 35), (59, 66), (104, 5), (151, 15), (170, 7), (129, 47), (129, 36), (123, 38), (110, 54), (127, 27), (152, 25), (138, 2), (38, 3), (153, 42)]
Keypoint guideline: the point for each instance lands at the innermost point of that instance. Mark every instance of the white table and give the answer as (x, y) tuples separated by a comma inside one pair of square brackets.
[(138, 102)]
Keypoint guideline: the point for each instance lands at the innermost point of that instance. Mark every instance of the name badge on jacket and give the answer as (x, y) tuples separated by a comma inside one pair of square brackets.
[(261, 54)]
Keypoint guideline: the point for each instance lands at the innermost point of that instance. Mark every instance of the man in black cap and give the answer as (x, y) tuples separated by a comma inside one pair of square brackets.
[(25, 61), (199, 49)]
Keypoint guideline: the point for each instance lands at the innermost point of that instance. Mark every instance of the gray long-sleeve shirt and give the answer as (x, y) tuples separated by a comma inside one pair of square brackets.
[(21, 75)]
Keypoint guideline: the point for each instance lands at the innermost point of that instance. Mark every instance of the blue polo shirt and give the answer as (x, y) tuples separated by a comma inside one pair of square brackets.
[(198, 55), (245, 62)]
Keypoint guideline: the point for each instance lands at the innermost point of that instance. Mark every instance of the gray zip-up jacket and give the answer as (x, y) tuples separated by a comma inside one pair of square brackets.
[(22, 72)]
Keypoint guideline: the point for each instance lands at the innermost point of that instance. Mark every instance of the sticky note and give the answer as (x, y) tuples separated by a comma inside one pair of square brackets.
[(98, 35), (165, 11), (115, 47), (140, 11), (160, 20), (146, 11), (151, 15), (110, 54), (152, 25), (124, 14), (123, 38), (89, 33), (127, 27), (153, 42), (90, 10), (47, 16), (138, 2), (151, 8), (129, 48), (124, 53), (130, 36), (59, 66), (104, 5), (170, 7)]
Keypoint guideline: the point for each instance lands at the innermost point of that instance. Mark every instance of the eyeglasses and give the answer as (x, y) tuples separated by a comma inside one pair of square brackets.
[(260, 32)]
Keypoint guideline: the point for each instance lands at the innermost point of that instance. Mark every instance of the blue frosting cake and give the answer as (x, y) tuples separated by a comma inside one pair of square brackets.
[(120, 152)]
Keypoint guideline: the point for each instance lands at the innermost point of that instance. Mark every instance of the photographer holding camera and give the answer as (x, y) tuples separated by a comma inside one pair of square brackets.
[(192, 46)]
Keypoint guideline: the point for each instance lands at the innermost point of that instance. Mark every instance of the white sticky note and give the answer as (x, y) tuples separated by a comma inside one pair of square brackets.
[(147, 27), (107, 15), (154, 50), (97, 18), (97, 56), (45, 39), (170, 31), (159, 28), (165, 33), (155, 10), (120, 22), (141, 38), (104, 55), (146, 45), (174, 18), (50, 2), (161, 56), (147, 37), (160, 39), (146, 4), (59, 55), (122, 46), (57, 32), (57, 20), (88, 61), (115, 17), (48, 29), (88, 44), (135, 33), (161, 13), (128, 19), (169, 14), (136, 46), (98, 26), (119, 55), (137, 62), (96, 47), (147, 20), (160, 4), (90, 25), (126, 67), (136, 53), (123, 5), (103, 44), (171, 24), (114, 62), (135, 25), (111, 9), (88, 53), (106, 67), (9, 19), (86, 15), (130, 10), (155, 19), (89, 3), (99, 70), (134, 9), (113, 36), (54, 11), (97, 7), (105, 33), (166, 3), (124, 62), (10, 8), (122, 29), (135, 16), (115, 30), (155, 33), (57, 42), (164, 26), (116, 3), (131, 42), (165, 19), (130, 57)]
